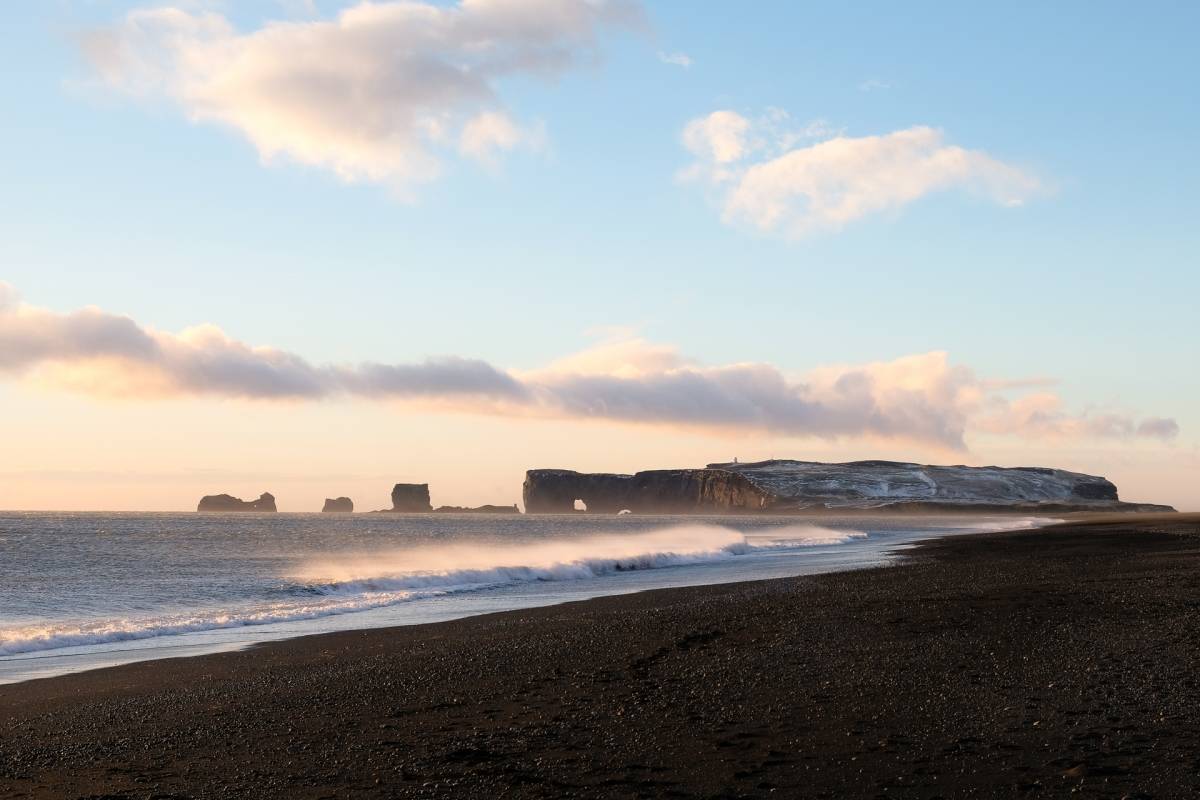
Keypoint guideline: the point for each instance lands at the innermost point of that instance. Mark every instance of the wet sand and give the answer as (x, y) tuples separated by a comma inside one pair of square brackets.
[(1035, 664)]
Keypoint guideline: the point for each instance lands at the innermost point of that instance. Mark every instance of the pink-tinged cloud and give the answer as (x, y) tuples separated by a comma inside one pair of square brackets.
[(380, 93), (921, 398)]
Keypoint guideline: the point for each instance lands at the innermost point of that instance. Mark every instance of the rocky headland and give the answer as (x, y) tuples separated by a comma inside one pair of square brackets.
[(338, 505), (227, 502), (662, 491), (787, 486)]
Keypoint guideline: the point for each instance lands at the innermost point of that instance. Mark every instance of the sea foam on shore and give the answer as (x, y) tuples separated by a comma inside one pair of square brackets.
[(355, 582), (171, 584)]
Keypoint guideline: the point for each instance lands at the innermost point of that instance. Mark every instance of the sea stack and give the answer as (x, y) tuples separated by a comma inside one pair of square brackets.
[(338, 505), (411, 497), (226, 502)]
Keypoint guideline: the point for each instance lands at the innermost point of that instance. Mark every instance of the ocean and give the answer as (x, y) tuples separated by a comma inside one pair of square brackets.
[(86, 590)]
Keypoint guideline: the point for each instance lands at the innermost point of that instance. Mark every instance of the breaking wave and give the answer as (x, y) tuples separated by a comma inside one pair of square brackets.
[(472, 565), (352, 583), (1010, 524)]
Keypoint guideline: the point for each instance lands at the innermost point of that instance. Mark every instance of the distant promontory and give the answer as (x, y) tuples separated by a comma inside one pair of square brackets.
[(786, 486)]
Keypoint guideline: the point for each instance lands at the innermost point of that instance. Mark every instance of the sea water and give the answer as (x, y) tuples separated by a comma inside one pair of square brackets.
[(86, 590)]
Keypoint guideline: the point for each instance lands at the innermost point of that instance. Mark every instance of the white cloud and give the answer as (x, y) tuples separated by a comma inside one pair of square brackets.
[(375, 94), (719, 138), (675, 59), (920, 398), (766, 182), (873, 85), (10, 299), (487, 135)]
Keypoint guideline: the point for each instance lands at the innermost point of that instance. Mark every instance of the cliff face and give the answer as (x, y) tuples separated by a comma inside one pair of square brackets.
[(886, 482), (554, 491), (663, 491), (409, 497), (338, 505), (226, 502), (784, 486)]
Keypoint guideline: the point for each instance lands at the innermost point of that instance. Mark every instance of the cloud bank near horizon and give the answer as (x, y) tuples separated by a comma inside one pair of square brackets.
[(380, 93), (776, 178), (920, 398)]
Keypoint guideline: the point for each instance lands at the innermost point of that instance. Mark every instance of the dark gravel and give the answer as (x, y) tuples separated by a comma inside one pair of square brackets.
[(1034, 664)]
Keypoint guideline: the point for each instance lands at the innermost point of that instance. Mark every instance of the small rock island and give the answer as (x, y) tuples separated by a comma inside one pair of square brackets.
[(338, 505), (413, 498), (487, 508), (227, 502)]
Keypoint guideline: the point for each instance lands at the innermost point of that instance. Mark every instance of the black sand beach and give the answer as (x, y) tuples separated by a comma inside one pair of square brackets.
[(1021, 664)]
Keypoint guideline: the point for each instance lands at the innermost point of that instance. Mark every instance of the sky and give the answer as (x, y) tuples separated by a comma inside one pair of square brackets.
[(317, 248)]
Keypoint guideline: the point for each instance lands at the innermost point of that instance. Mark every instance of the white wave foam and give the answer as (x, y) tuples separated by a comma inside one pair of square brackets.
[(51, 636), (999, 525), (559, 560), (805, 536), (347, 584)]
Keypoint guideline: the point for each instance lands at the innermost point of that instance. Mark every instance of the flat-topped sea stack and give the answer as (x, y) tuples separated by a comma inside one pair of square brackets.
[(338, 505), (226, 502), (786, 486), (411, 497)]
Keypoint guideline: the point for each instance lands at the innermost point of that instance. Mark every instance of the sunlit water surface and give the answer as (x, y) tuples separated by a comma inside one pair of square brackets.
[(81, 591)]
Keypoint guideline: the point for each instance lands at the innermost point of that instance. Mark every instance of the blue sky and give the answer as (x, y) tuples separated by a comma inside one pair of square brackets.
[(126, 204)]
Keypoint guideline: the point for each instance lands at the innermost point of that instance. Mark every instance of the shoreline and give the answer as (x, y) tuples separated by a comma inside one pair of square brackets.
[(1046, 659), (886, 537)]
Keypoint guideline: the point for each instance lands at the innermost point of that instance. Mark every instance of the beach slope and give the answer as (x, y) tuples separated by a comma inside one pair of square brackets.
[(998, 665)]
